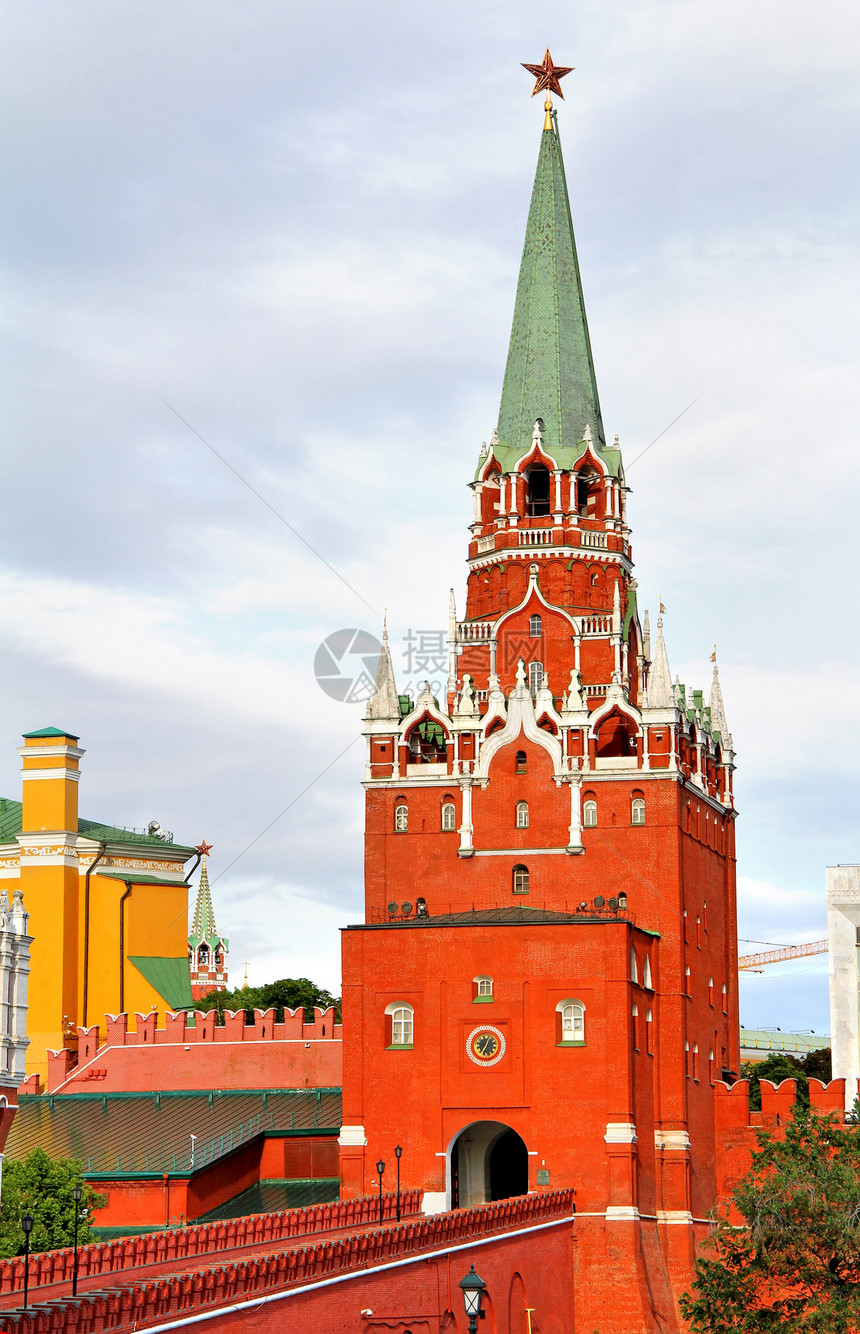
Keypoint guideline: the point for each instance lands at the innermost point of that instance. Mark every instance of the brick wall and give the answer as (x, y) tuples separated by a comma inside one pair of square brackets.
[(179, 1055)]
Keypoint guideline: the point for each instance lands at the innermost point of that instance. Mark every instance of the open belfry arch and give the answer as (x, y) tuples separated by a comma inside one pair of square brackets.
[(549, 954)]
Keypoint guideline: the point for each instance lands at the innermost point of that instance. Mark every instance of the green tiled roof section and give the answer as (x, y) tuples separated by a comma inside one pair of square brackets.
[(49, 731), (135, 1133), (764, 1040), (129, 877), (169, 977), (11, 820), (550, 369), (270, 1196)]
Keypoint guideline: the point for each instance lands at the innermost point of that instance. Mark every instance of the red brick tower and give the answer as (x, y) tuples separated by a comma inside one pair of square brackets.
[(544, 988), (207, 947)]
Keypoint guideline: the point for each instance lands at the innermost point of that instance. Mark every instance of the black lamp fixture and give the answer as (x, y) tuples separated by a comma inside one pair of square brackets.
[(77, 1192), (380, 1167), (26, 1228), (398, 1154), (472, 1288)]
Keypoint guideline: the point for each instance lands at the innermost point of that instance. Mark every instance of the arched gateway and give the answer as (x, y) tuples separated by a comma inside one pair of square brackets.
[(486, 1161)]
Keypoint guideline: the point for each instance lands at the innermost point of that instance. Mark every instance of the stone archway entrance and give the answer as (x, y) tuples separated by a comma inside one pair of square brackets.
[(488, 1161)]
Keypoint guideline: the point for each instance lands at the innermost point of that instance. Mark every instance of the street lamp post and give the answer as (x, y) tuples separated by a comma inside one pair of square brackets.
[(398, 1154), (472, 1288), (380, 1167), (77, 1193), (27, 1228)]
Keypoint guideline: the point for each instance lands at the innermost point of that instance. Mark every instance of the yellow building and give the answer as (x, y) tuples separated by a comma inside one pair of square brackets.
[(108, 907)]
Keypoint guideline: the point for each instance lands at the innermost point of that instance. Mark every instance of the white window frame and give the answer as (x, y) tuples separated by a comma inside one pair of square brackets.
[(589, 814), (521, 873), (522, 815), (535, 677), (401, 818), (484, 986), (637, 811), (449, 816), (572, 1021), (402, 1017), (535, 630)]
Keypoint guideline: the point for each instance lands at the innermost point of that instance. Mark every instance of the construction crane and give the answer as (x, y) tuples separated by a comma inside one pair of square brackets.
[(753, 963)]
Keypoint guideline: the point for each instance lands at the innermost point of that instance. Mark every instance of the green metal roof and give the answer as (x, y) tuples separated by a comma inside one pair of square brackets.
[(129, 877), (136, 1133), (49, 731), (169, 977), (765, 1040), (11, 820), (272, 1195), (550, 369)]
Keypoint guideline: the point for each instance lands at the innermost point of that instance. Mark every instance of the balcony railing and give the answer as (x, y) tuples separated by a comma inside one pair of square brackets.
[(535, 537), (471, 632)]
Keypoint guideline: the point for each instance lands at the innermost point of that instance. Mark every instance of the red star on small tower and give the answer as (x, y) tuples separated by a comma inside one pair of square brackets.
[(547, 75), (204, 848)]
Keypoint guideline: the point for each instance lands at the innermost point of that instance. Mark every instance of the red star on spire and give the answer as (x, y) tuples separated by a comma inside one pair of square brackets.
[(204, 849), (547, 75)]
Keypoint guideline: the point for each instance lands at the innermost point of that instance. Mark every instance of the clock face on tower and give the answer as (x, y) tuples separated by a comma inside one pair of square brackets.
[(485, 1045)]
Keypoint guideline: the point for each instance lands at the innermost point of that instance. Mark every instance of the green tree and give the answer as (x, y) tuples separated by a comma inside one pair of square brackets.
[(42, 1186), (795, 1264), (782, 1065), (818, 1065), (288, 991), (776, 1067)]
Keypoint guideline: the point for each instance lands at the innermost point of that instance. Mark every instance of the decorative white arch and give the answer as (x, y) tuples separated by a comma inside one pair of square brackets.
[(521, 719)]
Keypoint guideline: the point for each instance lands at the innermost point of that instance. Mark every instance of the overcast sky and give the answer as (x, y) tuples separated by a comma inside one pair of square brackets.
[(299, 226)]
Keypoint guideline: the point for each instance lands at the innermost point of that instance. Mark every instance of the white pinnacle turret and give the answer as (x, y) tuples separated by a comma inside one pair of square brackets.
[(384, 705), (660, 693), (718, 711)]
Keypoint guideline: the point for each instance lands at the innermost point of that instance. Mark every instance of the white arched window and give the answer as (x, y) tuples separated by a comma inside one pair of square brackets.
[(634, 967), (522, 815), (399, 1024), (695, 1060), (635, 1017), (649, 1033), (521, 880), (688, 984), (449, 816), (589, 814), (571, 1022), (535, 627), (646, 974), (482, 988), (535, 677), (637, 810), (401, 819), (725, 1000)]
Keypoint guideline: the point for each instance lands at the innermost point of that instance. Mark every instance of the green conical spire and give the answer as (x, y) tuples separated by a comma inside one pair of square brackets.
[(550, 372), (203, 923)]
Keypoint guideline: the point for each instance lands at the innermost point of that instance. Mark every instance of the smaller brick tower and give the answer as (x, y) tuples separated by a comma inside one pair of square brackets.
[(207, 948)]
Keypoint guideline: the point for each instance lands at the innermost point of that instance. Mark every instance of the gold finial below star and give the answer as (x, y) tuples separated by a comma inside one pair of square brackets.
[(547, 79)]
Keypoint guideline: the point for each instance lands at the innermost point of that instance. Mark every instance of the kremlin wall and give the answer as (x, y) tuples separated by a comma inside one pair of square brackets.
[(540, 1006)]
